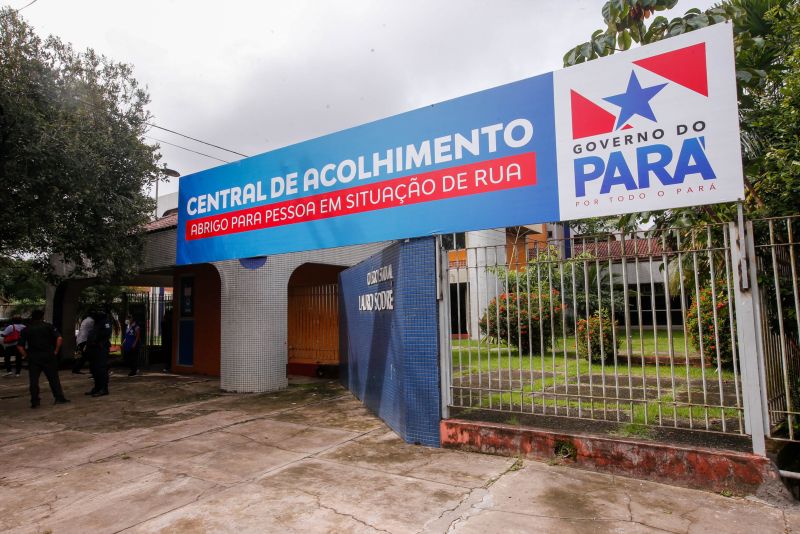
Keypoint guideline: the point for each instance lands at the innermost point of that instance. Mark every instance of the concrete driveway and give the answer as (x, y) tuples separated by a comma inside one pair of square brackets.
[(173, 454)]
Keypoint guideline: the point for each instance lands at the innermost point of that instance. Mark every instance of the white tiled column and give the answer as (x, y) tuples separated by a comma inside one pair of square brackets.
[(253, 329), (254, 315)]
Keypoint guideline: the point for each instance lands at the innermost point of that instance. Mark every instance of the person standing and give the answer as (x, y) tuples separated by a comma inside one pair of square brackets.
[(39, 344), (83, 336), (130, 345), (11, 335), (98, 343)]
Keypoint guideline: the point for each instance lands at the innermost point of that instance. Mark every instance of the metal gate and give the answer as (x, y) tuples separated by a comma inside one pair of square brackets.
[(640, 328), (150, 309), (776, 250), (313, 328)]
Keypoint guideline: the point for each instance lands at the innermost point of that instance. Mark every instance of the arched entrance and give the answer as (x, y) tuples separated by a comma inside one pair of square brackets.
[(146, 296), (196, 320), (313, 320)]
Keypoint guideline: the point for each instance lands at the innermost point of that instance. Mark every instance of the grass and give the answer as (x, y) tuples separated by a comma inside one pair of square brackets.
[(513, 420), (635, 430), (642, 413), (565, 450), (516, 466), (524, 398), (536, 374), (665, 408), (641, 342), (471, 357), (646, 343)]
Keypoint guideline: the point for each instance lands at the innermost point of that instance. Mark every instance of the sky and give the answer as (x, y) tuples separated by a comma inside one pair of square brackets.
[(253, 76)]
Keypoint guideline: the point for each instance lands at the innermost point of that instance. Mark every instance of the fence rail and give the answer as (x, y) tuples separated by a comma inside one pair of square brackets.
[(635, 328), (153, 312), (776, 247)]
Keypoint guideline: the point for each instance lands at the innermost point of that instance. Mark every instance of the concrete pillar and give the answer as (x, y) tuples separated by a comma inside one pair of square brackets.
[(253, 327), (486, 249), (49, 306), (559, 238), (61, 309), (254, 323)]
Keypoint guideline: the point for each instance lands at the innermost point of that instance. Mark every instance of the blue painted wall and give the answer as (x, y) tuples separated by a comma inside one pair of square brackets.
[(390, 358)]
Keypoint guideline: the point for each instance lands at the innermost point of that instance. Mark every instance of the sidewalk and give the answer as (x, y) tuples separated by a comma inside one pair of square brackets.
[(174, 454)]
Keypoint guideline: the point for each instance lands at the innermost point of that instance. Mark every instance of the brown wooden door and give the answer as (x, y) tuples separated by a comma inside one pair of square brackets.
[(313, 335)]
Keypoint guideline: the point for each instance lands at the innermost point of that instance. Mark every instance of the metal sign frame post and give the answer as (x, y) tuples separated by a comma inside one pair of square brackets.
[(748, 326), (445, 349)]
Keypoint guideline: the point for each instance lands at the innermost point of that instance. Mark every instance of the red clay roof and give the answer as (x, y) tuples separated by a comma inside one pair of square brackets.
[(603, 249), (170, 221), (613, 249)]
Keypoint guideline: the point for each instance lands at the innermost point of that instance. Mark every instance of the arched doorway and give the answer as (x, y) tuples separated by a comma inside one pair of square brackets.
[(313, 320), (146, 296), (196, 320)]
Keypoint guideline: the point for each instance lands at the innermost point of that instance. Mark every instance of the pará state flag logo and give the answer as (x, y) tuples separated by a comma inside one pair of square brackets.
[(655, 126)]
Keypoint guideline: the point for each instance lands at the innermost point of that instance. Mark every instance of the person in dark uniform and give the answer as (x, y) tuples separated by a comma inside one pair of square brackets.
[(98, 343), (39, 344)]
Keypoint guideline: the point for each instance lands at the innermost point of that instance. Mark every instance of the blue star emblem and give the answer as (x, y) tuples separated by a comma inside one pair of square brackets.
[(635, 101)]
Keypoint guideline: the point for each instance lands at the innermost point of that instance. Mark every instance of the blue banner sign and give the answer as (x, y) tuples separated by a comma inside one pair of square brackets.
[(648, 129)]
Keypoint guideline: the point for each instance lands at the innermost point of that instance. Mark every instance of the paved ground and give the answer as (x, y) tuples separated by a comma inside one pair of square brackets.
[(173, 454)]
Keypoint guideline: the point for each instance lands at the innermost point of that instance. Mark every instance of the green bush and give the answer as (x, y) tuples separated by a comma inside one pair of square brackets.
[(705, 324), (599, 324), (509, 316)]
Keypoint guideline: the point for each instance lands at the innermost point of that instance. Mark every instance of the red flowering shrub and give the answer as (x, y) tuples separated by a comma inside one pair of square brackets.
[(520, 319), (705, 324), (599, 325)]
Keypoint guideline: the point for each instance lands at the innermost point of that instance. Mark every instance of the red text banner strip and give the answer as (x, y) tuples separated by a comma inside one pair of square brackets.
[(483, 177)]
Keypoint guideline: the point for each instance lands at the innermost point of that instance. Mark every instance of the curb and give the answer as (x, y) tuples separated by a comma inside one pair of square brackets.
[(698, 468)]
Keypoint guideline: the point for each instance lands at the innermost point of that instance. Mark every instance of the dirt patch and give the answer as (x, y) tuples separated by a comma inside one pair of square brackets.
[(568, 503), (294, 395), (154, 399), (187, 524), (380, 455), (339, 414)]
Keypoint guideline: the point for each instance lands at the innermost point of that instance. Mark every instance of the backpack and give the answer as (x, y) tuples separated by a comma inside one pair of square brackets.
[(13, 337)]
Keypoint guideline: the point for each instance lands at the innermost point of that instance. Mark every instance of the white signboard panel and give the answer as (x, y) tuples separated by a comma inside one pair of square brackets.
[(653, 128)]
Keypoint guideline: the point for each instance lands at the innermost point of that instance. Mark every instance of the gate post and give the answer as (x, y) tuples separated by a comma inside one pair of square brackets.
[(445, 350), (748, 330)]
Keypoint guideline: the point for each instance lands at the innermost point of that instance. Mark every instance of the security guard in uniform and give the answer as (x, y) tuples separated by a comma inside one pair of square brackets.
[(98, 344), (39, 344)]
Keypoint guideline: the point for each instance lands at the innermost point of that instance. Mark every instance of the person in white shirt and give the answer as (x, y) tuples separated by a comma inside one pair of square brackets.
[(11, 335), (83, 335)]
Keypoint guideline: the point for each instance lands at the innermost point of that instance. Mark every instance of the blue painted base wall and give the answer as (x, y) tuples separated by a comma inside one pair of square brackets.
[(390, 358)]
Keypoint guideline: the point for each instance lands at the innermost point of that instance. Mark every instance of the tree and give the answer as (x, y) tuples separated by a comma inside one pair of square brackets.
[(21, 285), (773, 118), (529, 321), (73, 163), (578, 278), (767, 45)]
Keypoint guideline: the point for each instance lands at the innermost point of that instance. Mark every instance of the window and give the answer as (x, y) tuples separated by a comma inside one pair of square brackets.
[(454, 241)]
